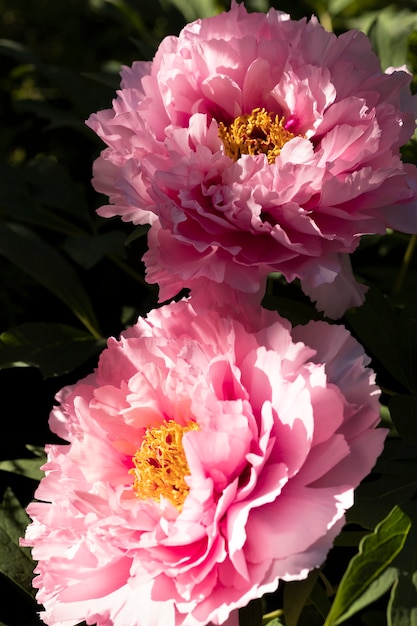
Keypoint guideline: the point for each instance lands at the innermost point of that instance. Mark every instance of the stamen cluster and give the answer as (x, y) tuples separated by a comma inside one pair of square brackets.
[(259, 132), (161, 465)]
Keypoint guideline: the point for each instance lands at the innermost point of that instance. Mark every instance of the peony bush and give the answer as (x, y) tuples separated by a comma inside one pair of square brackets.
[(253, 143), (207, 457)]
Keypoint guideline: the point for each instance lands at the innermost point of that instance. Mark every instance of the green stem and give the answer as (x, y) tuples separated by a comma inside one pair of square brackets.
[(408, 255), (268, 617)]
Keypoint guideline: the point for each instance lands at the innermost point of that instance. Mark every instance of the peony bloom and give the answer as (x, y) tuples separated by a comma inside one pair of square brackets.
[(208, 458), (253, 143)]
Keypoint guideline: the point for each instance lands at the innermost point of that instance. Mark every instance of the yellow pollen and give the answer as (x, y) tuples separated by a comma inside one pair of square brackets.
[(160, 463), (258, 132)]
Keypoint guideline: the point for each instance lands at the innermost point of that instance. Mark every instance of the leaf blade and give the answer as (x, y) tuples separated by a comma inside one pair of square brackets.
[(55, 349), (360, 585), (31, 254), (15, 562)]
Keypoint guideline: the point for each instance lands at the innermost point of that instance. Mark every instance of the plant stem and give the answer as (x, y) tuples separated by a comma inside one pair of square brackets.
[(408, 255)]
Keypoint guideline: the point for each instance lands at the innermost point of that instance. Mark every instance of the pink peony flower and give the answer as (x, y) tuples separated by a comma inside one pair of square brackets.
[(208, 459), (254, 143)]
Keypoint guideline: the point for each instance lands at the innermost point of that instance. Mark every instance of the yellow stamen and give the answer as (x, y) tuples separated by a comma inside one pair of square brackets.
[(258, 132), (160, 463)]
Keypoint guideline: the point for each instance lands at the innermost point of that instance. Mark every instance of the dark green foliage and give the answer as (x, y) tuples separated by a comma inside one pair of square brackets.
[(69, 279)]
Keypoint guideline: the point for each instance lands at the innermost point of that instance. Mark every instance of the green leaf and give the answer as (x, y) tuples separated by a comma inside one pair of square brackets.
[(54, 348), (370, 323), (337, 6), (296, 595), (295, 312), (87, 250), (394, 480), (374, 499), (18, 203), (320, 599), (375, 590), (55, 117), (15, 562), (194, 9), (55, 189), (402, 606), (84, 95), (41, 261), (30, 468), (137, 233), (403, 411), (370, 573), (285, 299), (389, 33), (408, 324)]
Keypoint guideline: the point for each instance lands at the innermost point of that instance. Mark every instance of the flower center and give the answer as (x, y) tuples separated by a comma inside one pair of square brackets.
[(160, 463), (258, 132)]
